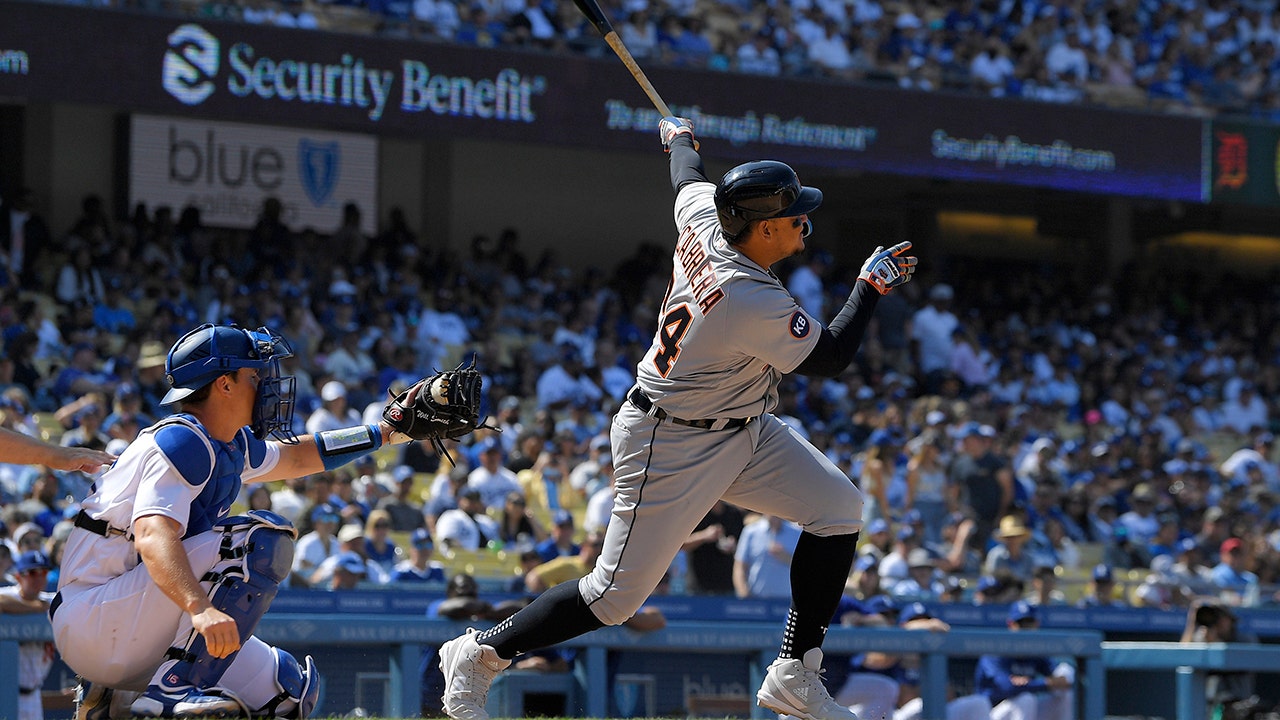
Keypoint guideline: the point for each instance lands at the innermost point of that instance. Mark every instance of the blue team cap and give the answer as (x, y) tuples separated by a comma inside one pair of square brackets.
[(912, 517), (1023, 610), (865, 563), (421, 539), (884, 437), (906, 532), (1102, 573), (987, 582), (1186, 545), (32, 560), (352, 563), (878, 525), (562, 517), (878, 605), (914, 611), (325, 513)]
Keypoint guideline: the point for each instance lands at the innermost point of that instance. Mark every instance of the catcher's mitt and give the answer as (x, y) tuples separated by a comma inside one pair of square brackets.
[(445, 405)]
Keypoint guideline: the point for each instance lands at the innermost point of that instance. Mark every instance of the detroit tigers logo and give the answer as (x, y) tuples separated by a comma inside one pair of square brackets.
[(799, 325)]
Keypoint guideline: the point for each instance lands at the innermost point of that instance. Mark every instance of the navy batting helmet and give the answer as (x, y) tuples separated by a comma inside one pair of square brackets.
[(760, 190), (210, 351)]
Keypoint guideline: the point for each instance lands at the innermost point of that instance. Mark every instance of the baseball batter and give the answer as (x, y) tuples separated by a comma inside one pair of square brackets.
[(160, 590), (697, 427)]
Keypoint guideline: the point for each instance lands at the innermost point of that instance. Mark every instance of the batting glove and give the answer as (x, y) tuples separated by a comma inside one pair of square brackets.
[(887, 269), (669, 127)]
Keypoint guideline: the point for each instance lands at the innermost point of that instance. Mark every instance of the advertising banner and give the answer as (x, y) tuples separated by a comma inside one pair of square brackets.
[(1244, 160), (299, 78), (225, 169)]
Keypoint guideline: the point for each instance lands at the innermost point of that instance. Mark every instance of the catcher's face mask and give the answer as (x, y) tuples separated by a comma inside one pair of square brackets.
[(273, 408)]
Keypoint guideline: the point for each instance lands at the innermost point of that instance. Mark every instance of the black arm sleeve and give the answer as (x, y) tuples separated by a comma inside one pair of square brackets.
[(686, 163), (840, 340)]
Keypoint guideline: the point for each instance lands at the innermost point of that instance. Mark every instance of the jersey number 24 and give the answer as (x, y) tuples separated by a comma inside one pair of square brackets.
[(674, 325)]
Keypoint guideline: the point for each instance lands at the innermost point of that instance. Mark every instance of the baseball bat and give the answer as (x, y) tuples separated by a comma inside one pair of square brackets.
[(594, 13)]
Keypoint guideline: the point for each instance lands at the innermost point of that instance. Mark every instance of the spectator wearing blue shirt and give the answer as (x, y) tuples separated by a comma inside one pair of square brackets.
[(419, 568), (561, 541), (762, 563), (1028, 688), (1230, 572)]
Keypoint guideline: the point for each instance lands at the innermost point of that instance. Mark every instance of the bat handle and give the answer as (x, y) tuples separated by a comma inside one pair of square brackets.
[(624, 54)]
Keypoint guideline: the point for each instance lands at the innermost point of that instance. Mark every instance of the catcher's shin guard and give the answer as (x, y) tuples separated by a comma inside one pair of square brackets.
[(257, 553), (299, 686)]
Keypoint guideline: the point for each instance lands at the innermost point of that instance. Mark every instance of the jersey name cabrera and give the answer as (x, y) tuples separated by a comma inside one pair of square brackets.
[(728, 330), (175, 469)]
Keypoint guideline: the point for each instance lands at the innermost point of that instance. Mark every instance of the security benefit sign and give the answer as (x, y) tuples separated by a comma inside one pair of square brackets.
[(1244, 163), (228, 169)]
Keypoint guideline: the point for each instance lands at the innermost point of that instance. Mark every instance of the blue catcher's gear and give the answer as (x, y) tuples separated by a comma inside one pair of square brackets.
[(210, 351), (299, 685), (257, 553)]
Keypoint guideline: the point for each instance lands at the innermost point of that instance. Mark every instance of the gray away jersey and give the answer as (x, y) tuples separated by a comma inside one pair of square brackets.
[(728, 329)]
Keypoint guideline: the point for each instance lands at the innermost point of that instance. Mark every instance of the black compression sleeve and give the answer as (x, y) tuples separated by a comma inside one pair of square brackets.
[(840, 340), (686, 164)]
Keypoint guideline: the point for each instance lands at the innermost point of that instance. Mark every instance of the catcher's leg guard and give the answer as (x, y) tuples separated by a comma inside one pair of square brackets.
[(257, 552), (299, 688)]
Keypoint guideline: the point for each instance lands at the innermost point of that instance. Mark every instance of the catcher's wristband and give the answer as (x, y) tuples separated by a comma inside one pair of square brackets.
[(339, 447)]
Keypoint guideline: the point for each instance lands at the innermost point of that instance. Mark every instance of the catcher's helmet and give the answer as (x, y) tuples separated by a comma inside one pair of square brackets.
[(210, 351), (760, 190)]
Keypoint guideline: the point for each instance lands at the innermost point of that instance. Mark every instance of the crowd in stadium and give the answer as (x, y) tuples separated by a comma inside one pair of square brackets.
[(1008, 430), (1185, 57)]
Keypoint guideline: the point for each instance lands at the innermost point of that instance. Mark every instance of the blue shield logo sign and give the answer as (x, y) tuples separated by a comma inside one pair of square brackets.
[(319, 163)]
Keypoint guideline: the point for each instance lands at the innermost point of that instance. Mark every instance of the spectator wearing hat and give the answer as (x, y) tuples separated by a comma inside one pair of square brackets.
[(333, 413), (567, 381), (419, 567), (28, 595), (1010, 552), (1101, 591), (348, 571), (87, 432), (927, 482), (1140, 520), (931, 333), (490, 477), (127, 416), (405, 510), (711, 548), (922, 582), (560, 543), (152, 385), (351, 540), (981, 479), (467, 527), (879, 465), (1025, 688), (314, 547), (872, 685), (1232, 573), (1188, 569), (893, 566), (864, 579), (877, 539), (1000, 588), (1105, 514), (917, 616), (1246, 412)]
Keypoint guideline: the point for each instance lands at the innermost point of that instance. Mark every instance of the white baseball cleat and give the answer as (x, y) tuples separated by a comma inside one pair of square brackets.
[(469, 668), (794, 687)]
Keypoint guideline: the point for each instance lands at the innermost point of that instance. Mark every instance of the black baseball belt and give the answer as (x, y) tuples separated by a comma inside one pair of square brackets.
[(97, 527), (642, 401)]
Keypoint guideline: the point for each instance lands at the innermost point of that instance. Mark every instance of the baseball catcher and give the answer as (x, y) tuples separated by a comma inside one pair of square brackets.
[(445, 405)]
